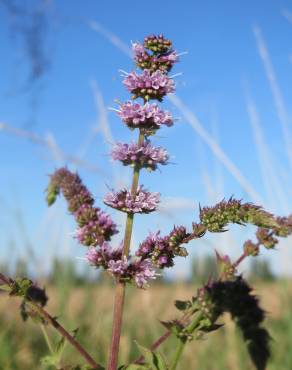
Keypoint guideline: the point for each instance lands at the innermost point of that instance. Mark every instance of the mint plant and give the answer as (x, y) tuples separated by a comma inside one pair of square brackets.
[(227, 292)]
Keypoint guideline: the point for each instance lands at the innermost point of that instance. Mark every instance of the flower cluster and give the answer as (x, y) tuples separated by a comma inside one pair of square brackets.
[(162, 250), (284, 226), (156, 58), (145, 155), (268, 237), (95, 226), (142, 202), (148, 117), (233, 211), (157, 43), (123, 268), (163, 62), (149, 85)]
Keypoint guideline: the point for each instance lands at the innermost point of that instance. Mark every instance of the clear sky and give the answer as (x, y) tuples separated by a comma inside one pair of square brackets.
[(59, 68)]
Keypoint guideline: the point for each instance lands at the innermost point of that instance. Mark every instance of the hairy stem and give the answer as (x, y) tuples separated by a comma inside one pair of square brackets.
[(121, 286)]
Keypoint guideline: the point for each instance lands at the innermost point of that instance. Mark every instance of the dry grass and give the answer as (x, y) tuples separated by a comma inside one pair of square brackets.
[(90, 309)]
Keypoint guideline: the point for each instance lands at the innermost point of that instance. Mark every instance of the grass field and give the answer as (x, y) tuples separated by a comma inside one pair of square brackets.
[(90, 309)]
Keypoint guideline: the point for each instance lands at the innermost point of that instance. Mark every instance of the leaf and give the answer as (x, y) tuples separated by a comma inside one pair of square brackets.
[(155, 361), (135, 367), (173, 326), (161, 363), (60, 346), (147, 354), (182, 305), (49, 360)]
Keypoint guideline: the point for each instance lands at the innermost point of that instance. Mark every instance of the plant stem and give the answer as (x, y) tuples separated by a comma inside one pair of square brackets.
[(121, 286), (178, 352), (239, 260), (162, 339), (47, 339), (52, 321), (182, 341)]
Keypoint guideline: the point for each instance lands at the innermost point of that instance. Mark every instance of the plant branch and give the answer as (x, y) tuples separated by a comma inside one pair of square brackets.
[(183, 319), (61, 330)]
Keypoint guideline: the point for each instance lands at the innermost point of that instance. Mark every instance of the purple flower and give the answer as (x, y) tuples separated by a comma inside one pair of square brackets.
[(149, 85), (112, 260), (94, 257), (144, 271), (154, 62), (103, 255), (138, 49), (118, 267), (147, 117), (163, 250), (142, 202), (145, 155)]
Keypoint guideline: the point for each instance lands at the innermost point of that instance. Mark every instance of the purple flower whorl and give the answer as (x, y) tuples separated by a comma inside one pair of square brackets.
[(149, 85), (123, 200), (146, 155), (148, 117)]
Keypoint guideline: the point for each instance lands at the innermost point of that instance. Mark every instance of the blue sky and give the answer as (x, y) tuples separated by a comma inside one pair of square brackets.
[(236, 85)]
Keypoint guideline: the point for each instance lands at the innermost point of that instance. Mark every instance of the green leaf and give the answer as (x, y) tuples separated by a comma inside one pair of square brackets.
[(135, 367), (60, 346), (155, 361), (49, 360), (160, 362), (147, 354), (182, 305), (173, 326), (52, 193)]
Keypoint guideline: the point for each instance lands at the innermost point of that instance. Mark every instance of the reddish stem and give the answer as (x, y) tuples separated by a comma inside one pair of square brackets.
[(121, 287)]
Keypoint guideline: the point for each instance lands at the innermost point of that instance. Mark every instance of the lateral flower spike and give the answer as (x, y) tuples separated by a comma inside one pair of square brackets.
[(216, 218), (94, 225)]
